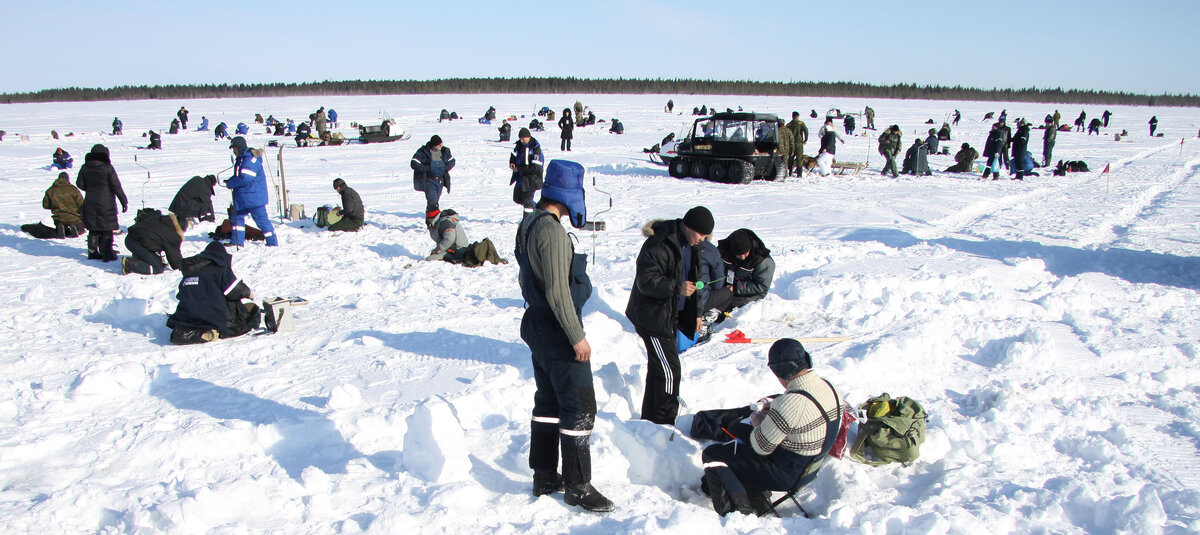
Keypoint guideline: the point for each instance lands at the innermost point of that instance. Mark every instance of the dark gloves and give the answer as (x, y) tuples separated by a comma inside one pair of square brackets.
[(124, 208)]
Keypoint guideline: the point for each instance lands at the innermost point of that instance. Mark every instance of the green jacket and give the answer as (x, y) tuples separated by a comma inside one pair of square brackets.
[(785, 139), (64, 201), (799, 132), (889, 143)]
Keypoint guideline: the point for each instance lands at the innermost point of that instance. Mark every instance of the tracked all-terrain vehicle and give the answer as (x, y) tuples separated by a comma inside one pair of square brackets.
[(729, 147)]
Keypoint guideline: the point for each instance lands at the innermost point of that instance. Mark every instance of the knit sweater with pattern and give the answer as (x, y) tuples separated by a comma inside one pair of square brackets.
[(793, 422)]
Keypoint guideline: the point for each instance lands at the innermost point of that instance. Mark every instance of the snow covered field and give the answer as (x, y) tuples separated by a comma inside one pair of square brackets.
[(1049, 326)]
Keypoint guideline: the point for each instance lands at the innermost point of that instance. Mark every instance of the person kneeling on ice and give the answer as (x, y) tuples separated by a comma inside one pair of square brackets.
[(155, 141), (249, 185), (193, 202), (783, 445), (210, 300), (64, 201), (151, 235), (750, 271), (351, 210), (555, 286), (452, 246)]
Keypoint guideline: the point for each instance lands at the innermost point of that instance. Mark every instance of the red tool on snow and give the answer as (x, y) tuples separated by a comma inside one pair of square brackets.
[(739, 337)]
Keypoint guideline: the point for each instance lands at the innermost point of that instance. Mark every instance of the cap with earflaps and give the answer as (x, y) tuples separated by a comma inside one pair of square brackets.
[(238, 143), (564, 184), (787, 357)]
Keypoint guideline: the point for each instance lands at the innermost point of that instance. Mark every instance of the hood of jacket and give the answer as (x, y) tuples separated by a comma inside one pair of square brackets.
[(758, 249), (99, 153), (215, 252), (63, 180)]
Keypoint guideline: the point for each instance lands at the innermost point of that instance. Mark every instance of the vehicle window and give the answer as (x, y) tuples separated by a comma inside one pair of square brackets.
[(765, 131), (735, 130)]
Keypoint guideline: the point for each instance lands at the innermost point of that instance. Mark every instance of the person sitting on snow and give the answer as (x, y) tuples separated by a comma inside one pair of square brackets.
[(62, 159), (210, 300), (351, 210), (447, 233), (303, 132), (242, 129), (505, 131), (750, 271), (616, 127), (965, 159), (151, 235), (783, 440), (203, 124), (155, 141)]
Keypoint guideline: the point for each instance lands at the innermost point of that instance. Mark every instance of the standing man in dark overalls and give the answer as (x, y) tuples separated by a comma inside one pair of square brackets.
[(555, 286)]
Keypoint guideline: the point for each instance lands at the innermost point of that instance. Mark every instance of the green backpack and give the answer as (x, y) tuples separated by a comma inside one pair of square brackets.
[(894, 430)]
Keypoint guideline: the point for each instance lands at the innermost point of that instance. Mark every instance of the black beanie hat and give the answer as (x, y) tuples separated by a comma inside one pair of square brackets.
[(700, 220), (338, 183), (523, 133), (787, 357), (435, 140), (740, 243)]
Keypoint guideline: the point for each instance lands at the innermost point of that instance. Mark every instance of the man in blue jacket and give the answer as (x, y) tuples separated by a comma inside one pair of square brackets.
[(249, 185)]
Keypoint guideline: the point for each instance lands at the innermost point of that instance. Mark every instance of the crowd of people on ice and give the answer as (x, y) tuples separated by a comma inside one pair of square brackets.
[(683, 286)]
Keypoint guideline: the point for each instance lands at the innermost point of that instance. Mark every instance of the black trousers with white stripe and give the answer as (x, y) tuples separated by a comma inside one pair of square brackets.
[(564, 405), (660, 403)]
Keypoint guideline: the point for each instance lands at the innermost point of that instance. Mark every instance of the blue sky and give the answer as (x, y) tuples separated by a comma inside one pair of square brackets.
[(1102, 44)]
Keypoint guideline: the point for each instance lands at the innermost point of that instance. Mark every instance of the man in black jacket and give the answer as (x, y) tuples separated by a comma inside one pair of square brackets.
[(152, 234), (661, 303), (1048, 139), (353, 214), (431, 166), (210, 300), (526, 164), (194, 201)]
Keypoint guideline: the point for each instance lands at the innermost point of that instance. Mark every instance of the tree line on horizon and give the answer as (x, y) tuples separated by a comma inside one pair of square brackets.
[(572, 85)]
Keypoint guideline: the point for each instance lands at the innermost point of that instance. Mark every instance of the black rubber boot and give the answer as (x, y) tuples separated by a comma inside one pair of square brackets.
[(577, 476), (543, 458), (93, 246), (547, 482)]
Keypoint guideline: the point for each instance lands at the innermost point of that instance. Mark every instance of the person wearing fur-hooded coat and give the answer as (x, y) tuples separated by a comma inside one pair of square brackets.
[(101, 191), (663, 300)]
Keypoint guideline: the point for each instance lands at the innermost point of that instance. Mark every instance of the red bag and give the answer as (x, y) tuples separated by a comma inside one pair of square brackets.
[(839, 445)]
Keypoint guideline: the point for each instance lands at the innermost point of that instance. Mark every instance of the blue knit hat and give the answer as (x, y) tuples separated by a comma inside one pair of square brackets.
[(564, 184)]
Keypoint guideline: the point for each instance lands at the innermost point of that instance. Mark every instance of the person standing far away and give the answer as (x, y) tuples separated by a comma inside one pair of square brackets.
[(661, 303), (1153, 124), (249, 185), (526, 164), (567, 125), (431, 166), (555, 285), (799, 133)]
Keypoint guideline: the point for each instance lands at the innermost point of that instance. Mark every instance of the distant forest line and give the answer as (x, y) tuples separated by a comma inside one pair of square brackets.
[(600, 86)]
